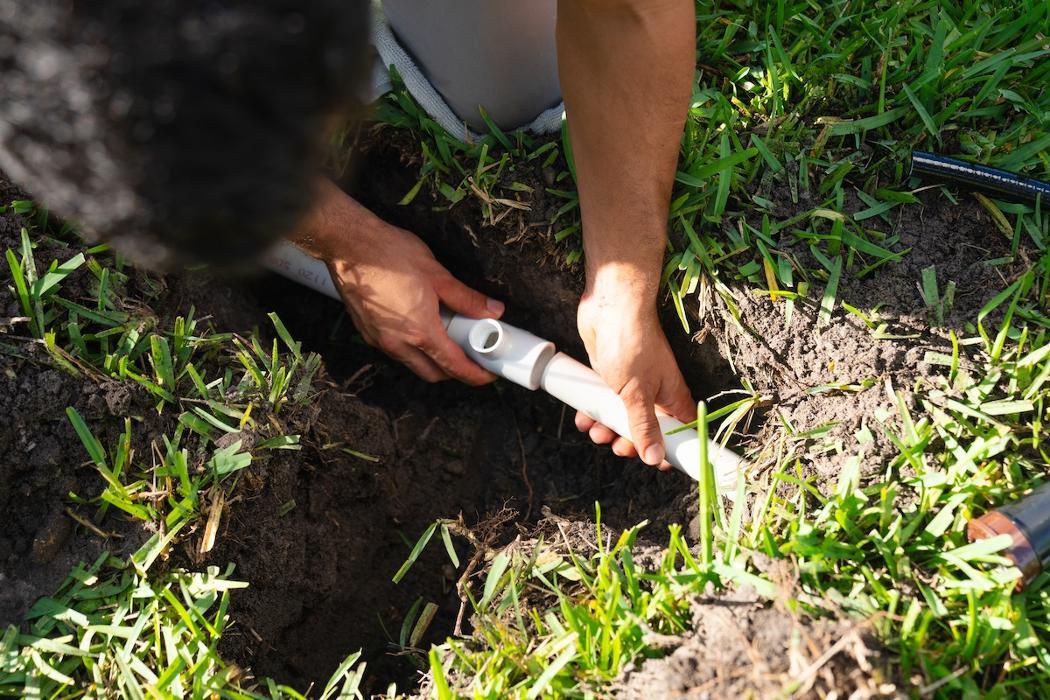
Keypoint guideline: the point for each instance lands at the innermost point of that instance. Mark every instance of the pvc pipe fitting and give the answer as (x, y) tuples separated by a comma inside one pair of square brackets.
[(534, 363), (501, 348)]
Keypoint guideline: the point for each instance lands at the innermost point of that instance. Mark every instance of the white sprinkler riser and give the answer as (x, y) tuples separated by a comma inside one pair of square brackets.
[(532, 362)]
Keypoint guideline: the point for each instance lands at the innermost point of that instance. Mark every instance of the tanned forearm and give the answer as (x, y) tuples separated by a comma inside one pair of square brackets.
[(626, 70)]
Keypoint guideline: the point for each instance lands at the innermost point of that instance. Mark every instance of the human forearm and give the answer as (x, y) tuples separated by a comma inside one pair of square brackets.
[(626, 68), (626, 71), (331, 222)]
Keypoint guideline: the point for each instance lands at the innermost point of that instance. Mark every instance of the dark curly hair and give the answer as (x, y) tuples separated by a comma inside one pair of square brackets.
[(178, 129)]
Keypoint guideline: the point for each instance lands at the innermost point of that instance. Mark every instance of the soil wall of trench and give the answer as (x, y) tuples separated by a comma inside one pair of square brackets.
[(320, 572)]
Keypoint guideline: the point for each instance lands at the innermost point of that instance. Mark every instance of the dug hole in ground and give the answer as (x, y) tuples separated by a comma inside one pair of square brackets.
[(318, 534)]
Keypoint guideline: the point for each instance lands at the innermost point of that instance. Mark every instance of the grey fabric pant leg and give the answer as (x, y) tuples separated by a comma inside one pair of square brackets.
[(498, 54)]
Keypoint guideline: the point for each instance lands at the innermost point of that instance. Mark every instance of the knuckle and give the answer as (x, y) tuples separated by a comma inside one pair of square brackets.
[(420, 245), (634, 395), (388, 344), (644, 435), (598, 434), (416, 338), (644, 427)]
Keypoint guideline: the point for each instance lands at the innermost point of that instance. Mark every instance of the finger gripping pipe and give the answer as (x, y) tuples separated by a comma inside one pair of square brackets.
[(534, 363), (580, 387)]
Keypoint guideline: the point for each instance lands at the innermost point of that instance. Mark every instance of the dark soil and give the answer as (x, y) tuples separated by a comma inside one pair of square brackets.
[(320, 573), (41, 459)]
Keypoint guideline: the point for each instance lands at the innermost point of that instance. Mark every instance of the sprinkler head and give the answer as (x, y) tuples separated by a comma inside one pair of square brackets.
[(1020, 551), (1027, 522)]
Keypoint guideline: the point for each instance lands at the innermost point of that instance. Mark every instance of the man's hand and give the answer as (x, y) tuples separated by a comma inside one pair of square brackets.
[(626, 69), (392, 287), (629, 350)]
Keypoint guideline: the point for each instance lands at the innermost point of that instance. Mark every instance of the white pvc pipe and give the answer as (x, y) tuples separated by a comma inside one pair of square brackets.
[(580, 386), (533, 362), (292, 262)]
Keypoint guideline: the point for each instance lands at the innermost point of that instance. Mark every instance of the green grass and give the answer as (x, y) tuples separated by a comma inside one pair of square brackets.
[(112, 631), (128, 628), (821, 103), (555, 620)]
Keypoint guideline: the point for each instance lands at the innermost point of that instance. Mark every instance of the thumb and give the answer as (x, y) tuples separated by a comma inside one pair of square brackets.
[(464, 300), (645, 430)]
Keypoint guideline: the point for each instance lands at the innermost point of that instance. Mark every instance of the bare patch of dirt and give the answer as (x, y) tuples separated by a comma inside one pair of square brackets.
[(740, 646), (836, 375)]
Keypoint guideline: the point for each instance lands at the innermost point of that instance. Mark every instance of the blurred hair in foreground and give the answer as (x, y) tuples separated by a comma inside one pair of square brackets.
[(184, 130)]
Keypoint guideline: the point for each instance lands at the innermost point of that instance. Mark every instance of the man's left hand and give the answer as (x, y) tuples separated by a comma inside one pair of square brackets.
[(628, 349)]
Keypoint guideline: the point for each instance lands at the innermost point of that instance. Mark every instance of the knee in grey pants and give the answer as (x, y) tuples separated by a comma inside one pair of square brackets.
[(496, 54)]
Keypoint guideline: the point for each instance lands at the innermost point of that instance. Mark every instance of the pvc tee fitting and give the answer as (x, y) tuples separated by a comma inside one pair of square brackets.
[(534, 363), (501, 348)]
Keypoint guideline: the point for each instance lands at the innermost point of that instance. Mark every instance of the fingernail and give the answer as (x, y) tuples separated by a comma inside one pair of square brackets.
[(494, 306), (654, 454)]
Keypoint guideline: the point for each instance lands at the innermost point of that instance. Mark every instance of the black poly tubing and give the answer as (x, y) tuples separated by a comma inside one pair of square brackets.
[(991, 181), (1032, 515)]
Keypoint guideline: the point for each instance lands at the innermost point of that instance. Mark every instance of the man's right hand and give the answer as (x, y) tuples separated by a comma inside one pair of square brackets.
[(393, 287)]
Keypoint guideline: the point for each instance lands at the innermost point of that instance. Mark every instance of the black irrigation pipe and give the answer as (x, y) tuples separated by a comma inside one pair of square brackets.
[(990, 181)]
